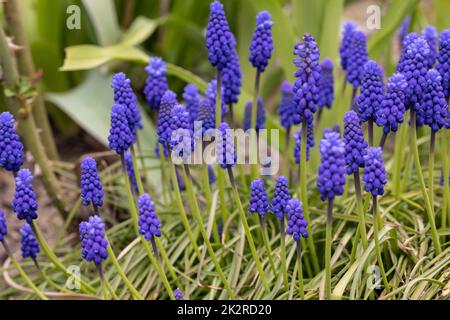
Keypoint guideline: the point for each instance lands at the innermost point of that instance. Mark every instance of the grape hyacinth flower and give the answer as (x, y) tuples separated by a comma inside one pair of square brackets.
[(168, 101), (28, 243), (433, 113), (306, 86), (281, 197), (124, 95), (331, 176), (181, 141), (374, 174), (434, 107), (177, 294), (298, 143), (345, 49), (443, 64), (330, 181), (261, 46), (374, 177), (391, 112), (91, 186), (259, 202), (130, 170), (3, 226), (326, 84), (219, 39), (372, 91), (430, 34), (149, 224), (93, 242), (260, 116), (297, 225), (192, 98), (355, 145), (287, 108), (226, 155), (156, 84), (414, 69), (120, 136), (24, 202), (358, 56), (11, 149)]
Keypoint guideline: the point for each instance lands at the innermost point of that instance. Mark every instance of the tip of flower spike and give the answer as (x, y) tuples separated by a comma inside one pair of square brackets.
[(416, 46), (263, 16), (374, 153), (281, 179), (257, 183), (397, 82), (169, 98), (25, 175), (372, 68), (178, 109), (349, 26), (430, 32), (286, 87), (216, 6), (6, 118), (223, 127), (190, 89), (119, 78), (156, 67), (327, 64), (88, 163), (351, 117)]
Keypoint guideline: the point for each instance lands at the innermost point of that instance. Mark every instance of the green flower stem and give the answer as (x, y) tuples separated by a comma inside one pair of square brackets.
[(52, 257), (180, 205), (197, 216), (328, 232), (287, 140), (445, 172), (400, 145), (247, 231), (300, 271), (208, 194), (429, 208), (27, 69), (223, 206), (253, 136), (135, 216), (21, 109), (165, 176), (377, 243), (262, 221), (244, 183), (431, 168), (383, 140), (136, 171), (370, 132), (48, 280), (106, 285), (283, 253), (134, 293), (304, 196), (142, 158), (359, 202), (22, 272)]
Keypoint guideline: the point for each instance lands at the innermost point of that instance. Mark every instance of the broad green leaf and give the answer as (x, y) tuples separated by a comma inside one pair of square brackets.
[(85, 57), (89, 105), (103, 16), (141, 29)]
